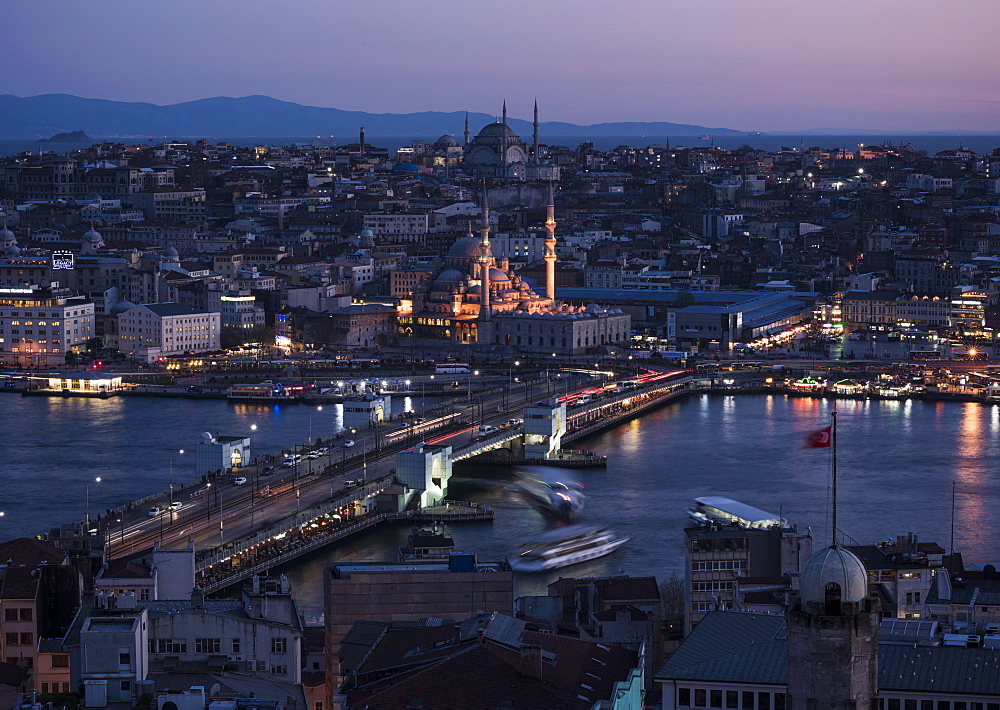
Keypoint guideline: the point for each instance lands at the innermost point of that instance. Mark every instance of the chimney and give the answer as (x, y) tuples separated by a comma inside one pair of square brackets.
[(531, 662), (197, 597)]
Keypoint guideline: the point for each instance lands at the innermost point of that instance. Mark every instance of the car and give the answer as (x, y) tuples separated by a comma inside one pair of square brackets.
[(240, 481), (313, 456), (176, 505), (201, 492), (419, 420), (349, 443), (351, 484), (267, 471), (155, 511)]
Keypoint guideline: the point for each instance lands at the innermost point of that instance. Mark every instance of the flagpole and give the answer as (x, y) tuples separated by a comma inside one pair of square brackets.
[(833, 453)]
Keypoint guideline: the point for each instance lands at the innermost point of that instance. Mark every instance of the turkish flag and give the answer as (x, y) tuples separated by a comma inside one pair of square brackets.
[(820, 439)]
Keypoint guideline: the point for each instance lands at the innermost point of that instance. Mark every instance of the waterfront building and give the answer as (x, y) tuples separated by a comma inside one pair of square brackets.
[(715, 555), (157, 330), (869, 310), (39, 325), (221, 453)]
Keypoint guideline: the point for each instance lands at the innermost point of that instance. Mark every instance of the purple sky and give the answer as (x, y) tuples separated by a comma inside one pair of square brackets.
[(765, 65)]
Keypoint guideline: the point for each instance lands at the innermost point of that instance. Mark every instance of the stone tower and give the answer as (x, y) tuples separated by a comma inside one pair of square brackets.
[(550, 246), (833, 635)]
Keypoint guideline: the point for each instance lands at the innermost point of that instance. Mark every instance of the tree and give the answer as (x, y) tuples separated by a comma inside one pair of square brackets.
[(672, 595)]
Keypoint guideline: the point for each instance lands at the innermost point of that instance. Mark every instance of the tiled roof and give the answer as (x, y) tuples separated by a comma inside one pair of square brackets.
[(19, 583), (12, 675), (630, 589), (50, 646), (29, 551), (732, 645)]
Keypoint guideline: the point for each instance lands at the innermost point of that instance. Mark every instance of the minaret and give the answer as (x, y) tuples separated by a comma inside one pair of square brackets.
[(485, 311), (505, 112), (466, 130), (535, 133), (550, 244), (503, 142)]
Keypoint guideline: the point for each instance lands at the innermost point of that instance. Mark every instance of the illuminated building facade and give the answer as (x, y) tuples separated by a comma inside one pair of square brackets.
[(38, 326)]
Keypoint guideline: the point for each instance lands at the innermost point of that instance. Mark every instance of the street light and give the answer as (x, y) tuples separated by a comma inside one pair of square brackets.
[(172, 484), (86, 524), (318, 409)]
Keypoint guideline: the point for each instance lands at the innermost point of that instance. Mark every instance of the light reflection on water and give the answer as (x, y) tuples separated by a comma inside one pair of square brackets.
[(896, 460)]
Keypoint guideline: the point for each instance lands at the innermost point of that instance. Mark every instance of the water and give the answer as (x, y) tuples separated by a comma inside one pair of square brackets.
[(897, 462), (931, 143), (130, 443)]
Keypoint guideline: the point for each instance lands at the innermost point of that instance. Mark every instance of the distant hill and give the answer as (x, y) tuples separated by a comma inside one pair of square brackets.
[(261, 116), (71, 137)]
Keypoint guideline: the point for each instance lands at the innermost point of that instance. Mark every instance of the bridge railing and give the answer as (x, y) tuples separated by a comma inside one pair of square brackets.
[(487, 442), (290, 523)]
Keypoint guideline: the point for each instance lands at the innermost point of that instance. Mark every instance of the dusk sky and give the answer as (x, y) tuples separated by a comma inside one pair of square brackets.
[(763, 65)]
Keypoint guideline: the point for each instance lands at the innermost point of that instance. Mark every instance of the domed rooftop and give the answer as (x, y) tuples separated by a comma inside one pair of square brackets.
[(12, 250), (92, 235), (497, 130), (170, 252), (465, 248), (498, 275), (446, 141), (834, 565), (450, 276), (6, 234), (366, 233)]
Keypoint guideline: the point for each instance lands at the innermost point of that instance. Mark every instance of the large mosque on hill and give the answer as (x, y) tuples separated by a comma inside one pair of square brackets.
[(475, 299), (498, 152)]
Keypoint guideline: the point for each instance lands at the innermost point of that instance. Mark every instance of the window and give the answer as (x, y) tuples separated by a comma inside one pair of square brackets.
[(207, 645), (10, 614), (763, 701), (684, 697), (25, 614), (732, 699), (715, 699), (279, 645), (124, 658), (126, 686), (700, 699), (60, 660), (10, 639), (236, 645), (278, 670), (170, 645)]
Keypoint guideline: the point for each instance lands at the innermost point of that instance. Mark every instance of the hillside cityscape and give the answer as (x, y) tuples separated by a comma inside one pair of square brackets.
[(486, 297)]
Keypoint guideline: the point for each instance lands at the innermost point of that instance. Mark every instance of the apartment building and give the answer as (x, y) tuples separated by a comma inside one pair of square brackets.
[(161, 329), (38, 326)]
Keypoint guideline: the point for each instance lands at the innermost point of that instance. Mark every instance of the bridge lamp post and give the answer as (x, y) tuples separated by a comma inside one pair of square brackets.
[(86, 521)]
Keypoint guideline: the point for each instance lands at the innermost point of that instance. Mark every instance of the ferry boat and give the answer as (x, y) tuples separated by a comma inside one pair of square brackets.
[(716, 510), (264, 392), (563, 547), (565, 500)]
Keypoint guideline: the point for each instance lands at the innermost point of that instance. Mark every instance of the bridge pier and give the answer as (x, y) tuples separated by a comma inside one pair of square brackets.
[(425, 469), (544, 427)]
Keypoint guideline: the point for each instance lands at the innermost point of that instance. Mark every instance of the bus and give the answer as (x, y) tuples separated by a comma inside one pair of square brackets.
[(925, 355), (452, 368)]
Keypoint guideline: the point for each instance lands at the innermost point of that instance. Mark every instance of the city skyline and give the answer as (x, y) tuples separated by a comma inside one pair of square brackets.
[(773, 66)]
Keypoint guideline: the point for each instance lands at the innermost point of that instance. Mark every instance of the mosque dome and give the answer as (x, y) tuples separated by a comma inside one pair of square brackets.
[(7, 235), (465, 248), (834, 565), (92, 235), (450, 276), (170, 253), (446, 141), (12, 250), (498, 130), (366, 233), (497, 275)]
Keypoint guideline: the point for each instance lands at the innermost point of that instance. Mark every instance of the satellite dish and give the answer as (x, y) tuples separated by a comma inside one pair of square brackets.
[(208, 437), (215, 689)]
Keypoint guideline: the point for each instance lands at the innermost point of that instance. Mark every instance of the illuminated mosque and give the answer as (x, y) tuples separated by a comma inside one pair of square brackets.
[(452, 307)]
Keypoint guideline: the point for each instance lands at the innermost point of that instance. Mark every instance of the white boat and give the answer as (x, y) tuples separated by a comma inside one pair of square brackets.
[(726, 511), (563, 547), (554, 497)]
